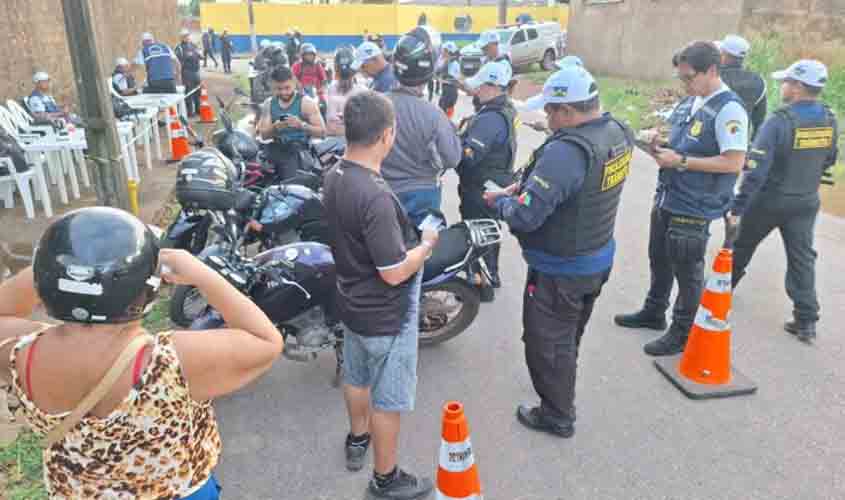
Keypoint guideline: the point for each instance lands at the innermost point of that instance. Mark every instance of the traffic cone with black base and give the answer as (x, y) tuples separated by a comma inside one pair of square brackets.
[(206, 111), (457, 475), (704, 369)]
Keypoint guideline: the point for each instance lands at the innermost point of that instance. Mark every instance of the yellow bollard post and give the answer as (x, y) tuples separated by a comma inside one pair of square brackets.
[(133, 197)]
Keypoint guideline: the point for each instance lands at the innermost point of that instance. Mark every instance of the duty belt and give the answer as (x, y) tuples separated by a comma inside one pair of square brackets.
[(683, 219)]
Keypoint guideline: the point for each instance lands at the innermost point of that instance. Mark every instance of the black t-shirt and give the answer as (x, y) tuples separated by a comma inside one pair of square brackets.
[(368, 232)]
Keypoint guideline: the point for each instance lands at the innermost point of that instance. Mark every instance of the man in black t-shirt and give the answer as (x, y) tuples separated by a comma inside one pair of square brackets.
[(378, 258)]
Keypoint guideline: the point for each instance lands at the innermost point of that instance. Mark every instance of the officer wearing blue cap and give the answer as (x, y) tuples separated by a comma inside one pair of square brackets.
[(698, 170), (749, 86), (161, 65), (489, 151), (563, 212), (781, 189)]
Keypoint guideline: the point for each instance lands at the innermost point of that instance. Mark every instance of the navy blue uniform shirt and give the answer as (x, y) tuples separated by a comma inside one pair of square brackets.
[(487, 132)]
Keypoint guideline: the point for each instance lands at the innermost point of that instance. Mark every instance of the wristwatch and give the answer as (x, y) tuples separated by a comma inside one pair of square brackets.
[(684, 163)]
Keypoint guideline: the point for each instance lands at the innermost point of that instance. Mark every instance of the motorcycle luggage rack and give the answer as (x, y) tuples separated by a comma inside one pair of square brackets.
[(484, 232)]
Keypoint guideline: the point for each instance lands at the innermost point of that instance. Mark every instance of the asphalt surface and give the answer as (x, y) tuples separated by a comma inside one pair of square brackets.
[(637, 436)]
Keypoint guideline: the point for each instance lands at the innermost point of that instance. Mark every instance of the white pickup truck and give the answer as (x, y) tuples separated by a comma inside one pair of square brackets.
[(523, 45)]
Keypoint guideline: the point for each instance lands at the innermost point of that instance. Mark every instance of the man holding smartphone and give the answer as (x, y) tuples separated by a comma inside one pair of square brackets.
[(489, 151), (379, 258), (290, 119)]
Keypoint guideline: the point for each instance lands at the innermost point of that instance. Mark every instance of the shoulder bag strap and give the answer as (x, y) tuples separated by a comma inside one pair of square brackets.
[(97, 394)]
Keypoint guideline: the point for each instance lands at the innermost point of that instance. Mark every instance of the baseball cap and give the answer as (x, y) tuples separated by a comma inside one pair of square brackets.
[(364, 53), (734, 45), (184, 31), (121, 61), (450, 47), (147, 37), (570, 84), (806, 71), (487, 38), (569, 60), (41, 76), (492, 73)]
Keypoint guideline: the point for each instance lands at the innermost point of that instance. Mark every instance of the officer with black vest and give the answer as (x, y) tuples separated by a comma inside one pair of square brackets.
[(489, 42), (161, 65), (781, 189), (189, 58), (563, 212), (749, 86), (698, 170), (489, 151)]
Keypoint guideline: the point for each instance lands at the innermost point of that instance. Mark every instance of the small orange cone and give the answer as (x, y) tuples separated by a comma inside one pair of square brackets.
[(178, 141), (704, 369), (206, 111), (457, 475)]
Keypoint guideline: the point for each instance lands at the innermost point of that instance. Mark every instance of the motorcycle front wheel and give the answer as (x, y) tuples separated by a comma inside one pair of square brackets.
[(446, 310), (186, 305)]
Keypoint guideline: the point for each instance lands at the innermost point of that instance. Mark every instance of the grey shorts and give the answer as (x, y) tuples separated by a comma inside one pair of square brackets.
[(387, 365)]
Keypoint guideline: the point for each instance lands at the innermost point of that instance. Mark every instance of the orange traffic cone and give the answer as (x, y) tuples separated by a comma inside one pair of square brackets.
[(178, 141), (206, 111), (457, 475), (704, 369)]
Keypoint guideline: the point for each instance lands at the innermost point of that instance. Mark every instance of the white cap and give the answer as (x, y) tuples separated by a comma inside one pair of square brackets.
[(488, 37), (184, 32), (806, 71), (147, 37), (121, 61), (570, 84), (493, 73), (265, 43), (41, 76), (718, 44), (364, 53), (450, 47), (569, 60), (735, 46)]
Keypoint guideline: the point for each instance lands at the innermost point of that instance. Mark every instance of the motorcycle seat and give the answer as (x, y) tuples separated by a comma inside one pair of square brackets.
[(451, 248), (327, 146)]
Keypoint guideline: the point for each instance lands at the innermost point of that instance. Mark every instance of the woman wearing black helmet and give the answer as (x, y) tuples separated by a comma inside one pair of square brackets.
[(426, 142), (126, 414), (339, 90)]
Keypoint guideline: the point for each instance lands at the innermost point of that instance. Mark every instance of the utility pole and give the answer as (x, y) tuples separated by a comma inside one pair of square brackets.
[(252, 36), (110, 178), (503, 11)]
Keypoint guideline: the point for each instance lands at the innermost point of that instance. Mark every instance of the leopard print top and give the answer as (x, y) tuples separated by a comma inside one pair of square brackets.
[(157, 444)]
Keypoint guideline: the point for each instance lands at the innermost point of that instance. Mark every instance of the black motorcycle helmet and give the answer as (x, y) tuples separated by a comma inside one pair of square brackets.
[(97, 265), (206, 180), (237, 141), (414, 58), (278, 57), (343, 60)]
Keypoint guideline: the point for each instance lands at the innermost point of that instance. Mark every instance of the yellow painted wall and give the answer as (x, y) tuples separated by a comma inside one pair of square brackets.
[(353, 19)]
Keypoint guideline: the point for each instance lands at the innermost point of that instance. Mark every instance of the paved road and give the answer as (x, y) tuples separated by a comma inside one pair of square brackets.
[(637, 436)]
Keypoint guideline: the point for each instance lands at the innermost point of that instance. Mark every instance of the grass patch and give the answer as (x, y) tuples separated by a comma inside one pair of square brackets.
[(21, 468), (158, 319)]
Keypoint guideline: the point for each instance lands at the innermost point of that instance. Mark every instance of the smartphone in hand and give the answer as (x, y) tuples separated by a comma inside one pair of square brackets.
[(431, 223)]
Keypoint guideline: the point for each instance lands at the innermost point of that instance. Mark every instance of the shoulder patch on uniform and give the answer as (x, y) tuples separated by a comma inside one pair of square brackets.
[(525, 199), (542, 182), (751, 164), (469, 153), (733, 126), (695, 130)]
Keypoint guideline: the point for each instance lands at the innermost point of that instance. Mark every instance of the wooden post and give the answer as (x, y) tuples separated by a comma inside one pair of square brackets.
[(110, 179), (503, 11)]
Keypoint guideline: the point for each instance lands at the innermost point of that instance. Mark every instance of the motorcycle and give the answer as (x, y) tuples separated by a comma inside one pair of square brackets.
[(294, 285)]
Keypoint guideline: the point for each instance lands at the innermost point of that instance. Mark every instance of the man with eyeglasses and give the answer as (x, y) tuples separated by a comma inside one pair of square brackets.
[(698, 169)]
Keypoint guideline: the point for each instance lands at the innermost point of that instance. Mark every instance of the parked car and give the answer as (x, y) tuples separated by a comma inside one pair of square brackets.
[(523, 45)]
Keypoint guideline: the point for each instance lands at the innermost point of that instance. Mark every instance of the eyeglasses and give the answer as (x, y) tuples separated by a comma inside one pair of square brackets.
[(686, 77)]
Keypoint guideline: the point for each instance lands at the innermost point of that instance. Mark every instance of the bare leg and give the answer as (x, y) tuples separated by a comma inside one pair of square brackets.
[(358, 406), (385, 432)]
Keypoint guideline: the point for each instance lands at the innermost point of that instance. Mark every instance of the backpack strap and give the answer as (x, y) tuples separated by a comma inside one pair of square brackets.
[(99, 392)]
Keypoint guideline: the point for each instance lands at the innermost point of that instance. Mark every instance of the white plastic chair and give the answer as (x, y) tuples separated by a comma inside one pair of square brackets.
[(27, 183)]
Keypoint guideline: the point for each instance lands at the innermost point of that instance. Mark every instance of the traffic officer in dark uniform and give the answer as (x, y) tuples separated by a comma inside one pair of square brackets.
[(489, 151), (698, 171), (563, 212), (189, 58), (160, 63), (781, 189), (749, 86)]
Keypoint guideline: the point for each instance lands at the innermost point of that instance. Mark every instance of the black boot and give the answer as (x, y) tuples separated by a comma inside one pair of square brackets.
[(805, 331), (672, 343), (533, 417), (643, 318)]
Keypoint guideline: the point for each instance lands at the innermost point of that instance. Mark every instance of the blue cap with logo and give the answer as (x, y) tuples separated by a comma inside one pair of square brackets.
[(492, 73), (570, 84), (806, 71), (364, 53)]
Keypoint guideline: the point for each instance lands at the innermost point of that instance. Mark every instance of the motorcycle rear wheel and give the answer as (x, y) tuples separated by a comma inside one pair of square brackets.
[(186, 305), (437, 324)]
